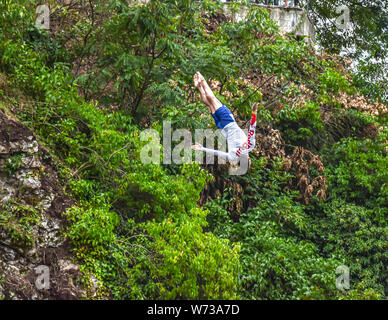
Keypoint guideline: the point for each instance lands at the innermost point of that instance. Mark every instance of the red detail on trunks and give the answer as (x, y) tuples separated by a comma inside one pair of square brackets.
[(253, 119), (251, 132)]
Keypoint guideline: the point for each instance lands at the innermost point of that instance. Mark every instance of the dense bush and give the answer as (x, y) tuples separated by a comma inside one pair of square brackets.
[(350, 231)]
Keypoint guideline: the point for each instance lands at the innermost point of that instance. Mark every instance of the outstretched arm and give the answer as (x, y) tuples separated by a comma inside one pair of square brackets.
[(231, 156)]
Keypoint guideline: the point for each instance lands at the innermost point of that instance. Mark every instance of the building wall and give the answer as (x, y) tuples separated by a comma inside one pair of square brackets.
[(288, 19)]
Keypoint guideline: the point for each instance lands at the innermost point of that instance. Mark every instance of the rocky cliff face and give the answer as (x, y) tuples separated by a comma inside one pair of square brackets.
[(35, 262)]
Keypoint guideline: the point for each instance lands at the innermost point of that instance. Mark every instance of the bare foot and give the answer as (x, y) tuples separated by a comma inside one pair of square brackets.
[(201, 79), (198, 79)]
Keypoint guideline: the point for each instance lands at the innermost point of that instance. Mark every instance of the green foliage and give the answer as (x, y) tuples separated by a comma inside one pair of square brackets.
[(351, 231), (17, 221), (357, 172), (94, 226), (276, 267), (364, 39), (40, 41), (300, 124), (189, 264), (179, 259), (275, 263), (332, 81), (219, 220), (353, 223), (152, 193), (365, 81), (148, 39), (360, 293), (16, 18), (12, 164)]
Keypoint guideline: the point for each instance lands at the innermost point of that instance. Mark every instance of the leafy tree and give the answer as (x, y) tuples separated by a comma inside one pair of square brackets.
[(364, 40)]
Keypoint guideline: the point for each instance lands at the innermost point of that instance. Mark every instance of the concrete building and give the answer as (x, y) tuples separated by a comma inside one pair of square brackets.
[(290, 19)]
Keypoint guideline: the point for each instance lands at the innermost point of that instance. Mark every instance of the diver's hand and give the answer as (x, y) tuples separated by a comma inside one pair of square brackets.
[(254, 107), (196, 146)]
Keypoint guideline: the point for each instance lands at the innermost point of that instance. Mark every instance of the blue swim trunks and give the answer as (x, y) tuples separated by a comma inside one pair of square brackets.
[(222, 117)]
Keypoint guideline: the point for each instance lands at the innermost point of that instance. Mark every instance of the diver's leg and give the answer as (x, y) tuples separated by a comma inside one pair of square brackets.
[(213, 102), (203, 93)]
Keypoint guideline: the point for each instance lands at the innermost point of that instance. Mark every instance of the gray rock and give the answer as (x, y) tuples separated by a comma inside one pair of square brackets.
[(20, 192)]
